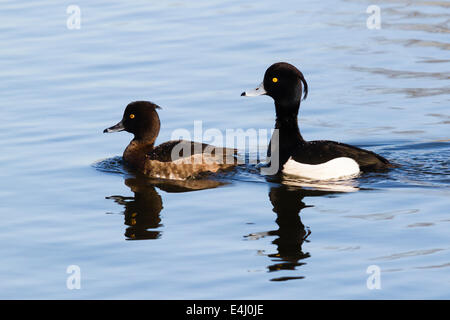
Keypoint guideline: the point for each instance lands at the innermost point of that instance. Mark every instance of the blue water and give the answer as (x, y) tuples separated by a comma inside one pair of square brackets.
[(66, 198)]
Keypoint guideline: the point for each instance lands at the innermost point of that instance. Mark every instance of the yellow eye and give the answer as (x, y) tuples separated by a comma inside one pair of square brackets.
[(131, 116), (275, 79)]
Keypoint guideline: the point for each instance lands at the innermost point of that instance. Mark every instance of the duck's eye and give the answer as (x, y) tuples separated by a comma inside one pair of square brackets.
[(274, 79), (131, 116)]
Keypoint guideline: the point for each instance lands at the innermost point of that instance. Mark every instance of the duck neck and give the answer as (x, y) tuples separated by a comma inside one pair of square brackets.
[(136, 152), (287, 122)]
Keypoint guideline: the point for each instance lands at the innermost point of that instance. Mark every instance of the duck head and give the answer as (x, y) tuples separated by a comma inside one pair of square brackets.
[(284, 83), (141, 119)]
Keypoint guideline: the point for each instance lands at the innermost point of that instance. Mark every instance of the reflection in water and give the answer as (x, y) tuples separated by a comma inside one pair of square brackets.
[(291, 233), (142, 212), (287, 203)]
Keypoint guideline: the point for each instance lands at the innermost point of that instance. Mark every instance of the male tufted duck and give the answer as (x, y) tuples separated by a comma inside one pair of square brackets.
[(176, 159), (318, 160)]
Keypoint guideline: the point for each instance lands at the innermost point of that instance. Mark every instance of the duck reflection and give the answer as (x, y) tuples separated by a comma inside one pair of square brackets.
[(142, 212), (287, 202), (291, 233)]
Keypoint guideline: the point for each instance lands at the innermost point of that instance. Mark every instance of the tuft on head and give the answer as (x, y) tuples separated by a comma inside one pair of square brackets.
[(305, 86), (282, 80), (143, 104), (141, 119)]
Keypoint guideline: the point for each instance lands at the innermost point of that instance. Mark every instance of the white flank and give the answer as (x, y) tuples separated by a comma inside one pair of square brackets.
[(333, 169)]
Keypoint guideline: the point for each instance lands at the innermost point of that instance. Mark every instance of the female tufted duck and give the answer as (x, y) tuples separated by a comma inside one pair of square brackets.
[(176, 159), (318, 160)]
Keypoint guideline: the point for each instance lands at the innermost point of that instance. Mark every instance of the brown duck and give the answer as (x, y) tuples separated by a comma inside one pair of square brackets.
[(175, 159)]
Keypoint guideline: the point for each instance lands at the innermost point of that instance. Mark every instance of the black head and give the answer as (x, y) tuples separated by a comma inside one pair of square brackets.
[(283, 82), (141, 119)]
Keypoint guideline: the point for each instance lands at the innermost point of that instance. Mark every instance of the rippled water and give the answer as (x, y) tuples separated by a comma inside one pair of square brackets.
[(67, 199)]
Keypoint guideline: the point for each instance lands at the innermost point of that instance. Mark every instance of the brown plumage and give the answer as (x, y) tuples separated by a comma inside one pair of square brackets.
[(177, 159)]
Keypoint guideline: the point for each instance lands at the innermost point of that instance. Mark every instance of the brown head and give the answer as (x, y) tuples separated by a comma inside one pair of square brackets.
[(141, 119)]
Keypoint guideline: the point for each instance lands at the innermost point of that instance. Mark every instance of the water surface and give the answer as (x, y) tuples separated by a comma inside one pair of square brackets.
[(66, 198)]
